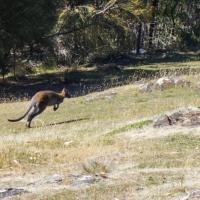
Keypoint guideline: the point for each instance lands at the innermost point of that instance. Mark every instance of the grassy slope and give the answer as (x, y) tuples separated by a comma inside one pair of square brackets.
[(85, 131)]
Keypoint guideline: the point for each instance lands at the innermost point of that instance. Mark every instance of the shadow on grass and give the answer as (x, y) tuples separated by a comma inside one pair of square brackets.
[(63, 122), (104, 76)]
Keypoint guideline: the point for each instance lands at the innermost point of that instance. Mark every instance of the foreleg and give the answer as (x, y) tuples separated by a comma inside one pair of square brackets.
[(55, 107)]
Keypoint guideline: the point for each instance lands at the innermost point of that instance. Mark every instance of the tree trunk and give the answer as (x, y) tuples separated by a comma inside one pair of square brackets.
[(3, 72), (139, 34), (4, 65), (30, 51), (14, 63), (153, 23), (98, 3)]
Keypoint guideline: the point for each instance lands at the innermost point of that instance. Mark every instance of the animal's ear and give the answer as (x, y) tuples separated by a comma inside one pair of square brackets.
[(64, 91)]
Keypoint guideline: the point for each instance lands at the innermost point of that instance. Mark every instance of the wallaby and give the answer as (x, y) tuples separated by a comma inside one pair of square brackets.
[(40, 101)]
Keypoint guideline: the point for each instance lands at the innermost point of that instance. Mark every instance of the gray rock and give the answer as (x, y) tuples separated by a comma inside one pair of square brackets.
[(9, 192), (164, 83), (83, 180), (162, 121), (88, 179), (56, 178), (103, 95), (147, 87), (181, 82), (190, 195), (184, 117)]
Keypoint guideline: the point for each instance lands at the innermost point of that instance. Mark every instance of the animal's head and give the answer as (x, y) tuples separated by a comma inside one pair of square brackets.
[(65, 93)]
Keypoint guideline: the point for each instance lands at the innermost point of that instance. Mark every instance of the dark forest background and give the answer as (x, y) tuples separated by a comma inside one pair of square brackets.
[(72, 33)]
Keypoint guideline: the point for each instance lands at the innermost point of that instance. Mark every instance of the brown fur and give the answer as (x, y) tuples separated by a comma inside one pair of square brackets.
[(40, 101)]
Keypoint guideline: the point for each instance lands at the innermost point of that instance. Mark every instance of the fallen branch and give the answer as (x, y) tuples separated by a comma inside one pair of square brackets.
[(107, 7), (69, 31)]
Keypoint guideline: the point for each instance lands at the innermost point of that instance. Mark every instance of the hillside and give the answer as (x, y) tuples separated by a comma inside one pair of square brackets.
[(103, 146), (131, 129)]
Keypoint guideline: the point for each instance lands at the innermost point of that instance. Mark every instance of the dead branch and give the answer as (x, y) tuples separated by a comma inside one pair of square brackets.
[(108, 6)]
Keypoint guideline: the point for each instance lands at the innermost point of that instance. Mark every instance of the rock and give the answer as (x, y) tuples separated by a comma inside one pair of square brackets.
[(181, 82), (56, 178), (141, 51), (16, 163), (147, 87), (162, 121), (68, 143), (8, 192), (103, 95), (83, 180), (103, 175), (194, 195), (183, 117), (164, 83), (88, 179)]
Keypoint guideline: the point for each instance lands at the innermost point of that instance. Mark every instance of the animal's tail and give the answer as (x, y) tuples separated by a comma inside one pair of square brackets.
[(18, 119)]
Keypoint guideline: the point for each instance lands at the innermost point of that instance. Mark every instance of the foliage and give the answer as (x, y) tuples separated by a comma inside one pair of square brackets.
[(76, 32), (182, 17), (100, 35), (23, 24)]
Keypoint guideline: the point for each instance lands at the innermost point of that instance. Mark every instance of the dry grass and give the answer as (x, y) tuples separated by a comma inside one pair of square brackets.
[(69, 141)]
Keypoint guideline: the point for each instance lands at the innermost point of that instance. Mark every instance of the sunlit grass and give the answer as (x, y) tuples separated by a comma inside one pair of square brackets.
[(86, 137), (174, 151), (124, 188), (171, 65)]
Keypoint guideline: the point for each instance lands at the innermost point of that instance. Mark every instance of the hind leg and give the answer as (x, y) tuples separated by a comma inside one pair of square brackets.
[(36, 111)]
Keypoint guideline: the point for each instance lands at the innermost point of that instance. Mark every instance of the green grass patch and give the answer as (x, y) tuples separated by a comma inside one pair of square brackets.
[(42, 69), (108, 138), (137, 125)]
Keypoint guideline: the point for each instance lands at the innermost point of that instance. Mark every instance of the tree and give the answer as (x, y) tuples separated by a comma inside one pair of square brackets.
[(23, 23), (100, 28), (153, 22)]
